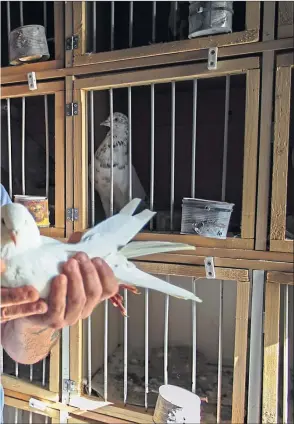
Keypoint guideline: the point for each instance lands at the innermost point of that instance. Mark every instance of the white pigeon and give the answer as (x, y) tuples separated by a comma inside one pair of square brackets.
[(102, 167), (35, 260)]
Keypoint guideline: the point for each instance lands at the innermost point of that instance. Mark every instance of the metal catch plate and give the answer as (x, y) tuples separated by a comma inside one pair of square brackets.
[(212, 59), (72, 109), (209, 267), (32, 81), (72, 43), (72, 214)]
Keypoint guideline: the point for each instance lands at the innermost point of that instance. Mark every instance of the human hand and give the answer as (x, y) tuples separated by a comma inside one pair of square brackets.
[(83, 284), (20, 302)]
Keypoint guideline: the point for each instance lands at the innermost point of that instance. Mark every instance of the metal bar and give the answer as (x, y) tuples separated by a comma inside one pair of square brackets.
[(286, 355), (15, 416), (165, 348), (130, 142), (92, 149), (94, 27), (154, 22), (16, 369), (126, 347), (173, 142), (45, 15), (111, 150), (8, 19), (220, 354), (44, 372), (255, 360), (105, 349), (21, 12), (65, 363), (175, 19), (9, 147), (146, 347), (47, 143), (194, 129), (89, 325), (131, 23), (194, 339), (65, 360), (226, 128), (23, 128), (112, 27), (152, 152)]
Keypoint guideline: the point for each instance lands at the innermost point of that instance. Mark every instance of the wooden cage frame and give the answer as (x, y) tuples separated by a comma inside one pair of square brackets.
[(249, 67), (278, 242), (57, 88), (10, 72), (161, 51), (241, 276)]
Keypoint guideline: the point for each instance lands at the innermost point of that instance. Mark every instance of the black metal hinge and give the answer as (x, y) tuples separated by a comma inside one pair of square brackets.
[(72, 214), (72, 43), (72, 109)]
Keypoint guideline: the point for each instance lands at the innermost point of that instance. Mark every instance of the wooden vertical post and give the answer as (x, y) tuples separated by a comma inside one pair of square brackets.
[(250, 154), (265, 135), (280, 157), (79, 26), (59, 160), (271, 354), (80, 161), (68, 32), (69, 158), (240, 354)]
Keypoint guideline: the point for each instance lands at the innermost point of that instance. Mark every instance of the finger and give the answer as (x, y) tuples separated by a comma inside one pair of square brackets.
[(21, 311), (76, 297), (92, 284), (108, 280), (2, 266), (18, 295), (75, 237), (56, 303)]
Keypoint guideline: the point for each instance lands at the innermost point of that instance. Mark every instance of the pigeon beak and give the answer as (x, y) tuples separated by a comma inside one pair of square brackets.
[(105, 123), (13, 235)]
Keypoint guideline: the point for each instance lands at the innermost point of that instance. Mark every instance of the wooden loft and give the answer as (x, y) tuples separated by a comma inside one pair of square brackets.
[(259, 59)]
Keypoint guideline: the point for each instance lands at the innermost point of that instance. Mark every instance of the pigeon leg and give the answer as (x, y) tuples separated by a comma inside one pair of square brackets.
[(117, 299)]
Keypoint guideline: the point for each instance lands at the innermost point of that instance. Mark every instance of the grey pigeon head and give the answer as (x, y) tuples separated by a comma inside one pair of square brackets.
[(119, 121)]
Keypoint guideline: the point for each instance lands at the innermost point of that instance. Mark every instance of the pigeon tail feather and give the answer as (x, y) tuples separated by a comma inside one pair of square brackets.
[(134, 276), (135, 249)]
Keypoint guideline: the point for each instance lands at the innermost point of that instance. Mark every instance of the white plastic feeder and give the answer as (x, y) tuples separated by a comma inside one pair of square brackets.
[(176, 405)]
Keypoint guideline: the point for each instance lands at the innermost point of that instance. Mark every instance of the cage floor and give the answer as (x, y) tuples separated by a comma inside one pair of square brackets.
[(179, 373)]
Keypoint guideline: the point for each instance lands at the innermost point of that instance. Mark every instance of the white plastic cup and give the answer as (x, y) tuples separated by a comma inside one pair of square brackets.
[(176, 405)]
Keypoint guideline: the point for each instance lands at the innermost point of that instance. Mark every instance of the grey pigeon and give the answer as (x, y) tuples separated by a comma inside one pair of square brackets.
[(102, 167)]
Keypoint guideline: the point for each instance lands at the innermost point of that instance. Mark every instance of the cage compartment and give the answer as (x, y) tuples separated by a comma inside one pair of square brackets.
[(13, 413), (20, 13), (32, 148), (109, 31), (167, 116), (282, 199)]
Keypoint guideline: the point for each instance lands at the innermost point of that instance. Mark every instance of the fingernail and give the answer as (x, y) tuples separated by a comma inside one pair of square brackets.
[(81, 258), (98, 262)]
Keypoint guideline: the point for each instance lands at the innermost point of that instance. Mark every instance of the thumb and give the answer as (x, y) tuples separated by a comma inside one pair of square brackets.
[(2, 266)]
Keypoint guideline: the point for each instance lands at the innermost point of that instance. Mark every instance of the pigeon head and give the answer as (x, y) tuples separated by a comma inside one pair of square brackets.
[(119, 121), (18, 227)]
